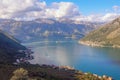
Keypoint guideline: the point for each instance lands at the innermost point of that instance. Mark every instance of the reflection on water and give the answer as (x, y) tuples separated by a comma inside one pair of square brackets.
[(88, 59), (50, 55)]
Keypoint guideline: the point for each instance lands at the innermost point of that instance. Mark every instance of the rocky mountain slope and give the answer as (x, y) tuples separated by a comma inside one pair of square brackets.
[(106, 36), (9, 47), (46, 29)]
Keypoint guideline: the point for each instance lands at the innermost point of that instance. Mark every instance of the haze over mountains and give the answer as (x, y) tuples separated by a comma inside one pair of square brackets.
[(107, 35), (40, 29)]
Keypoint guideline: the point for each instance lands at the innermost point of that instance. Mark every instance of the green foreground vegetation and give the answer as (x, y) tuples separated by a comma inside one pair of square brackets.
[(44, 72)]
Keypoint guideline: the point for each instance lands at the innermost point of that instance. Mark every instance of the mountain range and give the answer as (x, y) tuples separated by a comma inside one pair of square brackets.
[(39, 29), (106, 36)]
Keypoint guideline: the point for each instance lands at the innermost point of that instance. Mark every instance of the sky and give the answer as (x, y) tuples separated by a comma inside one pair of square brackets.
[(79, 10), (91, 6)]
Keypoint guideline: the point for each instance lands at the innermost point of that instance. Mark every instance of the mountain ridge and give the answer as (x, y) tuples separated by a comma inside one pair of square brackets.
[(46, 29), (106, 36)]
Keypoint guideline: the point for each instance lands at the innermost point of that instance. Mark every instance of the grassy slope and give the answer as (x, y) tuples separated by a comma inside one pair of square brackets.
[(107, 35)]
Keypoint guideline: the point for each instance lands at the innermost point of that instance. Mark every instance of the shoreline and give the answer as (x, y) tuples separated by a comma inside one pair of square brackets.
[(96, 44), (69, 68), (77, 72)]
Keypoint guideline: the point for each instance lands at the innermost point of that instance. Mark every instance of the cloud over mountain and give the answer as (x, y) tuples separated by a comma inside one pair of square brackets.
[(32, 9), (97, 17), (36, 9), (19, 8), (62, 9)]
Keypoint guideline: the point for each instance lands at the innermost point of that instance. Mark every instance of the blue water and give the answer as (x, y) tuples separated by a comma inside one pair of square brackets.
[(101, 61)]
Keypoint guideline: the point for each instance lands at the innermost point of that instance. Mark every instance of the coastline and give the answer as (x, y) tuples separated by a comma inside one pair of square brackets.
[(77, 72), (97, 44), (90, 43)]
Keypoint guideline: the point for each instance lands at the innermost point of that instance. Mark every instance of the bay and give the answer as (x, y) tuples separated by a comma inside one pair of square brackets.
[(100, 61)]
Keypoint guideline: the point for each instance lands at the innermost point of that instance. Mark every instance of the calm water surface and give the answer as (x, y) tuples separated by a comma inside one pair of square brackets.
[(101, 61)]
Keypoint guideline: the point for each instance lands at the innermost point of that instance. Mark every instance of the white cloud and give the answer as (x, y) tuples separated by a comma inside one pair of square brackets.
[(63, 9), (32, 9), (116, 8), (19, 8), (109, 16), (104, 17), (97, 17)]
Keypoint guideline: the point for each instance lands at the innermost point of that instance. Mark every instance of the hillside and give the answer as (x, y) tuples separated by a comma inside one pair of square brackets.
[(45, 72), (40, 29), (106, 36), (9, 47)]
